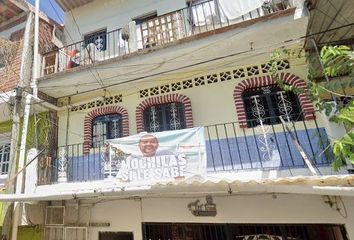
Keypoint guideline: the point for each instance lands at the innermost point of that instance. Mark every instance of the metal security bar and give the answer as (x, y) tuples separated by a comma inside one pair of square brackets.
[(265, 146), (229, 148), (191, 20), (168, 231), (96, 48)]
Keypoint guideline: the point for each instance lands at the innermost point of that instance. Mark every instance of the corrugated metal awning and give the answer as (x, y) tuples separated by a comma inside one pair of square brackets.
[(11, 10), (68, 5), (327, 15), (339, 185)]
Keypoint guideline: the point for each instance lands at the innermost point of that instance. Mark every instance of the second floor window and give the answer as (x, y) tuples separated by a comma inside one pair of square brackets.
[(164, 117), (265, 105), (4, 158), (106, 127), (98, 38)]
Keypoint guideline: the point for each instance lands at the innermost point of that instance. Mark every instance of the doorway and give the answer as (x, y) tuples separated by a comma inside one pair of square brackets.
[(115, 236)]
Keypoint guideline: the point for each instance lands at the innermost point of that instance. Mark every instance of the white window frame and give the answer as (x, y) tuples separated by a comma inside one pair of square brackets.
[(5, 139)]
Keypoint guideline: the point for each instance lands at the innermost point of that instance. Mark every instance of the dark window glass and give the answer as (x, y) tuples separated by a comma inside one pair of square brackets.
[(4, 158), (98, 38), (265, 105), (106, 127), (222, 231), (164, 117), (115, 236)]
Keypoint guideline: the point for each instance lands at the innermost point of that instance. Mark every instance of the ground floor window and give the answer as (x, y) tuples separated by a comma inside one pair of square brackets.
[(188, 231), (115, 236), (4, 158)]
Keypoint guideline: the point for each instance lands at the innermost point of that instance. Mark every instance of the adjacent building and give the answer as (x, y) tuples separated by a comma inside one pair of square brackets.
[(16, 63)]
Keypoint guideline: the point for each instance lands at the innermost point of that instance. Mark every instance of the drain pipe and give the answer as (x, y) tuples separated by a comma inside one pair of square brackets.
[(36, 59), (18, 207)]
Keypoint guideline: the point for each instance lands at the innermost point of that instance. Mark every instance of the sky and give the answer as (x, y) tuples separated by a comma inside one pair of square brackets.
[(51, 9)]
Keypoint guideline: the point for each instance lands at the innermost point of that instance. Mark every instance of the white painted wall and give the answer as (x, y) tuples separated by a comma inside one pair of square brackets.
[(211, 103), (127, 215), (112, 14)]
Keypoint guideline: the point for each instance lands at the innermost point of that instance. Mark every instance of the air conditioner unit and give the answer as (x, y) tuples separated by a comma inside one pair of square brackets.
[(55, 215)]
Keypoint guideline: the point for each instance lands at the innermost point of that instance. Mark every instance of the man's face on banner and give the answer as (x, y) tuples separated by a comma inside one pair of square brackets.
[(148, 145)]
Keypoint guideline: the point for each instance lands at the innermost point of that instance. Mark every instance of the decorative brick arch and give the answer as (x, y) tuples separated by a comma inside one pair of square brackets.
[(288, 78), (100, 112), (171, 98)]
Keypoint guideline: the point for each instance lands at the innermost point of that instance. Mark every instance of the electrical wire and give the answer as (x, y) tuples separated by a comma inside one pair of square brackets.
[(57, 14), (335, 8), (99, 80), (176, 69), (203, 62)]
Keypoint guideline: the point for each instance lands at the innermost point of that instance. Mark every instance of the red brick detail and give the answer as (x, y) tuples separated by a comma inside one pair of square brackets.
[(171, 98), (45, 37), (99, 112), (10, 76), (288, 78)]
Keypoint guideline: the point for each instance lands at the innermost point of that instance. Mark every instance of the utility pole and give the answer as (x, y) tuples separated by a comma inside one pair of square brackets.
[(18, 206), (15, 139)]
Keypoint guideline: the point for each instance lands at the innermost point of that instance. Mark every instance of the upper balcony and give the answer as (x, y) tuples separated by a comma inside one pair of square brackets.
[(154, 32)]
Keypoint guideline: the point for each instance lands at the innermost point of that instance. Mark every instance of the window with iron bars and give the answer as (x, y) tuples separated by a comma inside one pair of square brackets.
[(4, 158), (98, 38), (106, 127), (205, 231), (164, 117), (267, 104)]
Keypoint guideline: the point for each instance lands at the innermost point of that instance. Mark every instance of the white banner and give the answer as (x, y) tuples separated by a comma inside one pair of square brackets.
[(157, 157)]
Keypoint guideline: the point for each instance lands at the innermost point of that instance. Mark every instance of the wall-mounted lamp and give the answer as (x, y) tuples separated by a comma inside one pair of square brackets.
[(207, 209)]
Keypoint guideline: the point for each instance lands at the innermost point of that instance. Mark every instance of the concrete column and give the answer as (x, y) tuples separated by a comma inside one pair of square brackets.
[(133, 40)]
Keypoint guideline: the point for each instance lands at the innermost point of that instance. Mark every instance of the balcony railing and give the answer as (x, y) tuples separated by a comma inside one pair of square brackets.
[(186, 22), (228, 147)]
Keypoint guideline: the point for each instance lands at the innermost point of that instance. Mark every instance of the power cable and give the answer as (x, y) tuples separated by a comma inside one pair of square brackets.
[(333, 19), (335, 8), (210, 60), (57, 14), (99, 80), (190, 65)]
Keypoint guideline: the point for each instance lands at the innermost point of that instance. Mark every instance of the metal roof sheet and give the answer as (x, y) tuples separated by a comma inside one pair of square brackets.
[(68, 5), (339, 185)]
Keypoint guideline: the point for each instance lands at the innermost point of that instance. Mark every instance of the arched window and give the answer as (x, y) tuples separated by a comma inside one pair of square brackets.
[(106, 127), (162, 117), (267, 104)]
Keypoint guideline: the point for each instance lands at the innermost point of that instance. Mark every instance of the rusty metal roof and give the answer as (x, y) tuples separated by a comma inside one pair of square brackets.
[(68, 5), (11, 10), (332, 14)]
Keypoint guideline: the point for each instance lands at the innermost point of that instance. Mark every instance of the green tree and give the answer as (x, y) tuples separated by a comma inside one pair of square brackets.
[(336, 61)]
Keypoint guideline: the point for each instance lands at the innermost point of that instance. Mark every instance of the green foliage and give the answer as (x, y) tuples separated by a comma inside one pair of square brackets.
[(337, 61), (274, 60), (344, 148)]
